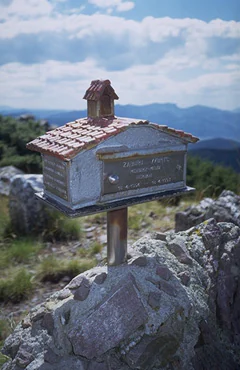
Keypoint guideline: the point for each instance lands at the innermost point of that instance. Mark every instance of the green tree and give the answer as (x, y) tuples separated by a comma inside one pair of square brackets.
[(14, 135), (209, 179)]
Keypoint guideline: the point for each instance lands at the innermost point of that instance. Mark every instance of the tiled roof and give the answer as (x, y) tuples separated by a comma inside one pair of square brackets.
[(96, 89), (66, 141)]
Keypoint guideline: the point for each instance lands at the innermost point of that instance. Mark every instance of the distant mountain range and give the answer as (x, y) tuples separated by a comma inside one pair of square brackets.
[(204, 122)]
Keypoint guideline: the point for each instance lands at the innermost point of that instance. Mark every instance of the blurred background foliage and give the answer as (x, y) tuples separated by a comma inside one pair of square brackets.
[(14, 135)]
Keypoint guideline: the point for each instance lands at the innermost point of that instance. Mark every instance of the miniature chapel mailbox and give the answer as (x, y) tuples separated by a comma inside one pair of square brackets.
[(105, 163)]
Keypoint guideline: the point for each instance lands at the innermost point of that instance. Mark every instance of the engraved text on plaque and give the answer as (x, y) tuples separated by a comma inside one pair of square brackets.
[(55, 176), (138, 172)]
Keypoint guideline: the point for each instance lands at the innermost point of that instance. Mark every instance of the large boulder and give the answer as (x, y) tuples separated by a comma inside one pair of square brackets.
[(28, 215), (7, 174), (174, 306), (225, 209)]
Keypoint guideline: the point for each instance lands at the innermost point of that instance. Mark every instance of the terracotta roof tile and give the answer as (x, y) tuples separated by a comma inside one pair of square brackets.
[(68, 140), (110, 130), (97, 88)]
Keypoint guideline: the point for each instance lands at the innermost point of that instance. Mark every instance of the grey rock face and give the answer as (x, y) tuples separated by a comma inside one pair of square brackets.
[(225, 209), (121, 314), (165, 315), (83, 290), (6, 176), (27, 214)]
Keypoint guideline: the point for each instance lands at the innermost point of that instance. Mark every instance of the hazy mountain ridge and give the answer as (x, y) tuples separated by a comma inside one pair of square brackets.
[(216, 144), (204, 122), (227, 158)]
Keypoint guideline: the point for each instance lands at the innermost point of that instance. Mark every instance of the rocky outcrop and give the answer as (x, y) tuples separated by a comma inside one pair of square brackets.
[(6, 176), (225, 209), (174, 306), (28, 215)]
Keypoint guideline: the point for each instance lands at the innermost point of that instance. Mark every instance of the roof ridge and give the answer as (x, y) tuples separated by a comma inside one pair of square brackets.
[(67, 141)]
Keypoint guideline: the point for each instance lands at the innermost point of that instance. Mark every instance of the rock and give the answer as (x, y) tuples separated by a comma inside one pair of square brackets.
[(159, 236), (48, 323), (51, 357), (24, 358), (77, 282), (178, 248), (163, 272), (28, 215), (6, 176), (225, 209), (100, 278), (211, 234), (69, 362), (65, 293), (97, 366), (185, 277), (154, 299), (81, 293), (168, 288), (166, 315), (143, 355), (102, 238), (121, 314), (139, 261)]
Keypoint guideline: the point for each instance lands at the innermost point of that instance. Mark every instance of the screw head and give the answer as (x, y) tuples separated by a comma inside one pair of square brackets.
[(113, 179)]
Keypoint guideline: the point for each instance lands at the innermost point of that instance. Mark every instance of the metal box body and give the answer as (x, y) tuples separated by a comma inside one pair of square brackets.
[(143, 159)]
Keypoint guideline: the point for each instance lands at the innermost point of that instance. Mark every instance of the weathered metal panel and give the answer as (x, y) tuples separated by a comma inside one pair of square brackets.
[(86, 171), (55, 177), (132, 173)]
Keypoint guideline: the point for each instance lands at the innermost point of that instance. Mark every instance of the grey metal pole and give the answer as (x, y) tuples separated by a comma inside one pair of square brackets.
[(117, 224)]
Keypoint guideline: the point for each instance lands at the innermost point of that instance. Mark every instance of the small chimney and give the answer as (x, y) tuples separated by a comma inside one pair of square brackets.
[(100, 98)]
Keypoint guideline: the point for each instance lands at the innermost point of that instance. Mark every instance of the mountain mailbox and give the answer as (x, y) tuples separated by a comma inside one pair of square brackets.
[(106, 163)]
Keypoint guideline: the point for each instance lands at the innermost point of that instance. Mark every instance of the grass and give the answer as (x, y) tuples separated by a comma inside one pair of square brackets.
[(53, 269), (17, 287), (3, 359), (4, 215), (62, 228), (94, 248), (19, 251), (157, 215)]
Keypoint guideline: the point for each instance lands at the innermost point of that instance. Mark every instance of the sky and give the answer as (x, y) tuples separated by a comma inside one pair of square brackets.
[(185, 52)]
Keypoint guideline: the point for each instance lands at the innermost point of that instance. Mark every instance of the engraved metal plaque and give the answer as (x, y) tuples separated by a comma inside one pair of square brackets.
[(138, 172), (55, 176)]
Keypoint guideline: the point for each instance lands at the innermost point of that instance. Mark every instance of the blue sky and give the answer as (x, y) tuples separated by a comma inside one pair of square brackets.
[(181, 51)]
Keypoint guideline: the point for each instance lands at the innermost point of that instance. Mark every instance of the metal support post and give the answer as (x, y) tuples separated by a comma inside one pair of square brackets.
[(117, 224)]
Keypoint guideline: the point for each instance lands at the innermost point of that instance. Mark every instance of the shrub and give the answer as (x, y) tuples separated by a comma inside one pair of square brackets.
[(137, 216), (62, 228), (93, 249), (13, 138), (22, 250), (18, 287), (18, 251), (53, 269), (210, 180)]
